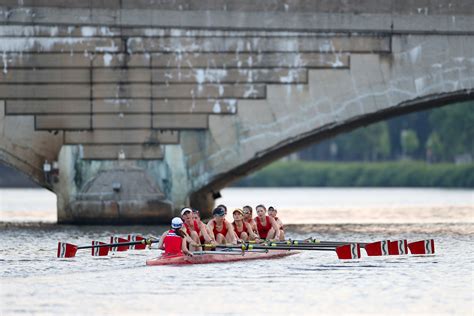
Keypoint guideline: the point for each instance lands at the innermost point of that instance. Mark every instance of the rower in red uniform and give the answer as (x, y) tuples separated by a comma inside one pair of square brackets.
[(194, 229), (248, 218), (266, 225), (173, 241), (242, 230), (272, 212), (220, 229)]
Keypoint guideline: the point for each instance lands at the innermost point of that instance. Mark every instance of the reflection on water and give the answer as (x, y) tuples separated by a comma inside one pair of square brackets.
[(34, 281)]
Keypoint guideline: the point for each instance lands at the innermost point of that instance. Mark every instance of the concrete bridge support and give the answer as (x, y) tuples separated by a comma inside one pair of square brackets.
[(149, 106)]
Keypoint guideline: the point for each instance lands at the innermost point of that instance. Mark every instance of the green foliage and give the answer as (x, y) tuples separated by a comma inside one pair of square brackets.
[(434, 147), (366, 143), (386, 174), (409, 141), (455, 126), (439, 134)]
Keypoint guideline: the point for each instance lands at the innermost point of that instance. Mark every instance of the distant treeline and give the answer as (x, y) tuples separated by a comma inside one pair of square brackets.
[(443, 134), (379, 174)]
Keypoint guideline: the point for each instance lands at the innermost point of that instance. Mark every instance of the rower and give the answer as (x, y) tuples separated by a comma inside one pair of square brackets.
[(173, 241), (221, 230), (267, 227), (272, 212), (242, 230), (202, 225), (248, 218), (196, 230)]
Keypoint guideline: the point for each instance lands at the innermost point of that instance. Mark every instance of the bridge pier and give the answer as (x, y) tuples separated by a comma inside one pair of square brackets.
[(118, 192)]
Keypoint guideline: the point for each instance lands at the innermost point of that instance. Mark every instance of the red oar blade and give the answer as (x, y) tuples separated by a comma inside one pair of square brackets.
[(347, 252), (422, 247), (137, 238), (398, 247), (378, 248), (116, 240), (66, 250), (99, 251)]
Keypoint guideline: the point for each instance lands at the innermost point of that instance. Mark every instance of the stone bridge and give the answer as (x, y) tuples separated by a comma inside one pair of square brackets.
[(146, 106)]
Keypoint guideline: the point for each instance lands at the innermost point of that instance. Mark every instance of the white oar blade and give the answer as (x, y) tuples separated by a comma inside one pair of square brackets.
[(137, 238), (66, 250), (422, 247), (99, 251), (348, 252)]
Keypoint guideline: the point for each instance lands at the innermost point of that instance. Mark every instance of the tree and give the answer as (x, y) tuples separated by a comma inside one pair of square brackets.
[(434, 148), (455, 127), (409, 141)]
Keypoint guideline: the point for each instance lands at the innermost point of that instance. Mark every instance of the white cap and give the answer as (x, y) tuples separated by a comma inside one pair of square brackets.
[(186, 209), (176, 222)]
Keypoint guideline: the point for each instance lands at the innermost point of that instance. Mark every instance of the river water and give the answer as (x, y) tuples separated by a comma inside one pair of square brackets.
[(34, 281)]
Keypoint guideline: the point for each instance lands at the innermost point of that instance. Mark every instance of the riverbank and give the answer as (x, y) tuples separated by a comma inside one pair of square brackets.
[(361, 174)]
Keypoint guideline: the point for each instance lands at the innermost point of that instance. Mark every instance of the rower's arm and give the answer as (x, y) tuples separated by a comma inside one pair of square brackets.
[(275, 227), (184, 247), (187, 237), (205, 234), (280, 223), (252, 235), (160, 243), (231, 230), (210, 225)]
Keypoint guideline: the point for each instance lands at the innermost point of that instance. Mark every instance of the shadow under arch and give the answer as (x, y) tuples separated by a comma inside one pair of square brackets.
[(203, 197), (30, 172)]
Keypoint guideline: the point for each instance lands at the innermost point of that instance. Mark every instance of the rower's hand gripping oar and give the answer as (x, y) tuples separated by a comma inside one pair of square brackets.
[(66, 250)]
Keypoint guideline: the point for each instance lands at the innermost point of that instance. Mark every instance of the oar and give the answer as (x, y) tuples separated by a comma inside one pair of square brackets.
[(66, 250), (349, 251), (378, 248), (312, 241)]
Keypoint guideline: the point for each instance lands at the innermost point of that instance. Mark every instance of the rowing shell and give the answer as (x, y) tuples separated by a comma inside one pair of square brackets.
[(202, 257)]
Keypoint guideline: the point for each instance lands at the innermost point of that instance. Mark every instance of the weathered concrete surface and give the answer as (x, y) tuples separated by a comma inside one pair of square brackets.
[(151, 105)]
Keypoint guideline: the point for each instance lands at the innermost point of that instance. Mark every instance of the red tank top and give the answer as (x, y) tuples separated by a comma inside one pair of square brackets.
[(223, 231), (196, 228), (263, 230), (172, 243), (238, 232)]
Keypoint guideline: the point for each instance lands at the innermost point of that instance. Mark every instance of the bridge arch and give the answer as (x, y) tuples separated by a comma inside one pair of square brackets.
[(294, 144)]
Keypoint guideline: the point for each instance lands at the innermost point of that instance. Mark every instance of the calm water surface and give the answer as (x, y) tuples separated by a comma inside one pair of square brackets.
[(32, 280)]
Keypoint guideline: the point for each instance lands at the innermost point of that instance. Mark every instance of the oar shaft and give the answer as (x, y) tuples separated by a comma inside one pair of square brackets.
[(317, 242), (246, 247), (120, 244)]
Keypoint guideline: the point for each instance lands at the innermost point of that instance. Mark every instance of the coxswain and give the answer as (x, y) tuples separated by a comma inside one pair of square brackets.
[(243, 230), (267, 227), (173, 241), (248, 218), (272, 212), (195, 229), (221, 230)]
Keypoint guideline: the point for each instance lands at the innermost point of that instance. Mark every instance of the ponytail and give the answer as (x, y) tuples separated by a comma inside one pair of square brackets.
[(179, 232)]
